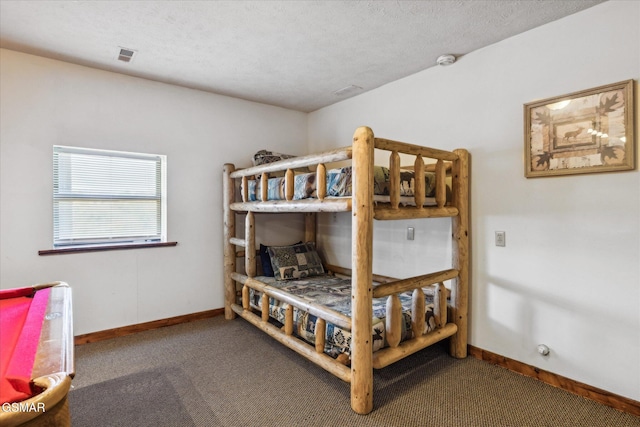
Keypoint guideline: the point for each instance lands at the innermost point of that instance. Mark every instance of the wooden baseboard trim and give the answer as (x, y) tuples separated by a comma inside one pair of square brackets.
[(620, 403), (140, 327)]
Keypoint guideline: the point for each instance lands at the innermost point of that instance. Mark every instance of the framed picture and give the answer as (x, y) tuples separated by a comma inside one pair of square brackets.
[(582, 132)]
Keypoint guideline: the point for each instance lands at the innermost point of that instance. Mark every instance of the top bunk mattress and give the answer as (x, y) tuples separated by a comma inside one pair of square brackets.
[(339, 185)]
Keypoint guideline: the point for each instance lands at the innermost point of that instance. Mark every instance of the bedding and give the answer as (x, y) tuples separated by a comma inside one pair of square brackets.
[(265, 261), (264, 157), (339, 185), (295, 261), (335, 293)]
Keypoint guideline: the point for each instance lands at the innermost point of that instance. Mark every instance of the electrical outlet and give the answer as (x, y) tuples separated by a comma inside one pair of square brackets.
[(501, 238)]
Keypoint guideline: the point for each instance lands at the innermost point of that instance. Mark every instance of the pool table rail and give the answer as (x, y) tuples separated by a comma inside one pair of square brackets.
[(53, 367), (55, 352)]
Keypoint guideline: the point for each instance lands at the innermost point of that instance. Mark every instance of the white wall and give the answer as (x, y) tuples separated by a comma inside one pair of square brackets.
[(569, 276), (46, 102)]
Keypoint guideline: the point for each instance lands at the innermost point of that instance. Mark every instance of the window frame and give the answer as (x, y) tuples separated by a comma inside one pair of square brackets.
[(75, 243)]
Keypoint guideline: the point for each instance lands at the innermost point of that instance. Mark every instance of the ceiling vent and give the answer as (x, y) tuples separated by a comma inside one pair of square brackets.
[(126, 55)]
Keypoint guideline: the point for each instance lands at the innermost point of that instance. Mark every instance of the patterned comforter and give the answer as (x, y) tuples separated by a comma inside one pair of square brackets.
[(335, 293), (339, 184)]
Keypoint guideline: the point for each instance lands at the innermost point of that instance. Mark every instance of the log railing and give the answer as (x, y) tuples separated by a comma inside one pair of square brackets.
[(332, 156), (285, 335), (437, 207), (412, 283), (391, 290), (442, 164), (393, 326), (323, 312), (390, 287)]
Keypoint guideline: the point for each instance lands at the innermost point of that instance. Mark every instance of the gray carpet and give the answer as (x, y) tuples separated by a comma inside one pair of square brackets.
[(146, 398), (228, 373)]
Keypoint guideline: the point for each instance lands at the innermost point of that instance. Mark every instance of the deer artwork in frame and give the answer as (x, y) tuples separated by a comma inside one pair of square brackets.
[(582, 132)]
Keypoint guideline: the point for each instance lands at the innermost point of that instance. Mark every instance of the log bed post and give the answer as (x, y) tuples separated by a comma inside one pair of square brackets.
[(310, 219), (460, 242), (361, 281), (250, 245), (229, 248)]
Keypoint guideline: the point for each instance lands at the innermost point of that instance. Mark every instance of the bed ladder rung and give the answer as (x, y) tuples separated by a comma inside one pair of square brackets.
[(238, 242)]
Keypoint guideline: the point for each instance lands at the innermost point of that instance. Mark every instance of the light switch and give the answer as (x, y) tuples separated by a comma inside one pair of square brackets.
[(410, 233)]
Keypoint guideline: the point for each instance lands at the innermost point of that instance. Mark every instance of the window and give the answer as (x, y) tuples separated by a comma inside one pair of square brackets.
[(106, 198)]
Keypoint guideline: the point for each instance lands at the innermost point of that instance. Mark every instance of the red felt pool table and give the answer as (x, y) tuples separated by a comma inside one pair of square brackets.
[(36, 357)]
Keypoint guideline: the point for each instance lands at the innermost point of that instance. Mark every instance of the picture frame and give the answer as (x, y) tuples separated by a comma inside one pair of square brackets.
[(582, 132)]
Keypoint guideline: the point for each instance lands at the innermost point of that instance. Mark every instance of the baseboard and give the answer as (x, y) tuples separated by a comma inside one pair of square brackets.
[(601, 396), (140, 327)]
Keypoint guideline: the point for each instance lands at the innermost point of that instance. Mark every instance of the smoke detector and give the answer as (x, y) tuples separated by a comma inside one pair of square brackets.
[(445, 60)]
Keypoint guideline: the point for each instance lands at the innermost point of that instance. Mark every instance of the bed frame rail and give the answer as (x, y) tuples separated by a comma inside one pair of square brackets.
[(331, 156), (390, 288), (442, 163), (323, 312), (324, 361)]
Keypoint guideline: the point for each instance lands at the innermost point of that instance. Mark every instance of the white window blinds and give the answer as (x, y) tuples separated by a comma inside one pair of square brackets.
[(107, 197)]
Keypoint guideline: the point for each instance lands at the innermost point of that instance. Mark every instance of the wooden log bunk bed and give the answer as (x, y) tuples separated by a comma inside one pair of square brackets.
[(449, 315)]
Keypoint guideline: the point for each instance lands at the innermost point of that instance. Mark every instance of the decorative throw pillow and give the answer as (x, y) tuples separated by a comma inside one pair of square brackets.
[(265, 260), (407, 183), (264, 157), (339, 181), (380, 180), (295, 261)]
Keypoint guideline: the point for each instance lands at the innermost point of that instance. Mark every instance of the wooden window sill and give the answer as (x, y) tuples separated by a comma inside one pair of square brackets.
[(82, 249)]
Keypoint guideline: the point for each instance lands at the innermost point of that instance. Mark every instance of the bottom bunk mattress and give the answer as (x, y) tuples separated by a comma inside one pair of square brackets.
[(335, 293)]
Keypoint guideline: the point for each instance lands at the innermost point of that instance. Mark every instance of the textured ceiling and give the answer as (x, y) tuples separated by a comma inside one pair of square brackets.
[(293, 54)]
